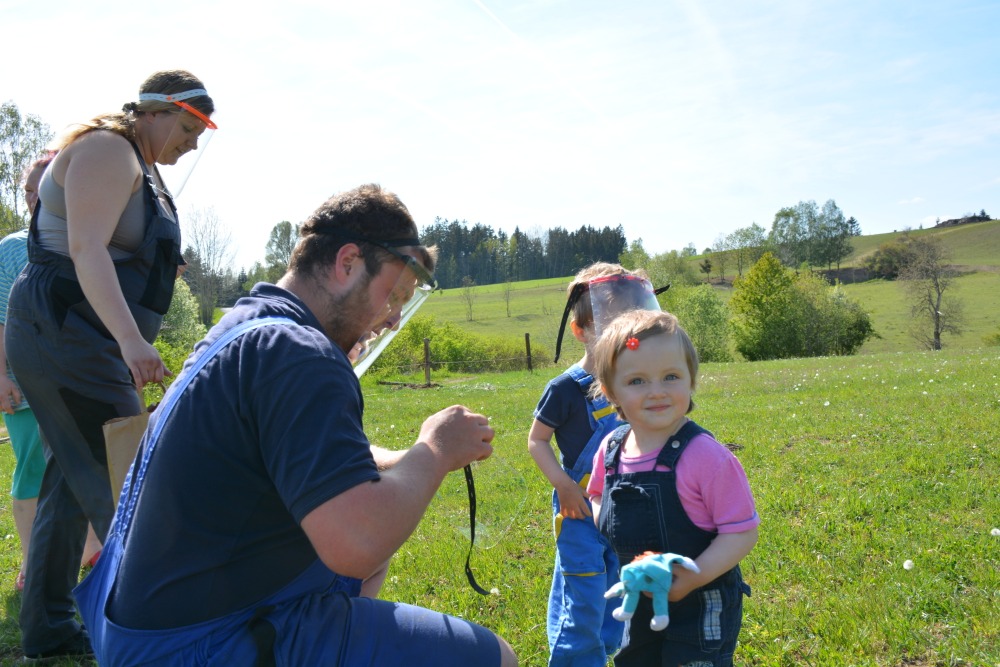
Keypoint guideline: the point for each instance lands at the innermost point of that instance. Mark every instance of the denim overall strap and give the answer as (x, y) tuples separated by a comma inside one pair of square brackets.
[(136, 475), (613, 453), (642, 511), (664, 526), (678, 442), (603, 420), (93, 592)]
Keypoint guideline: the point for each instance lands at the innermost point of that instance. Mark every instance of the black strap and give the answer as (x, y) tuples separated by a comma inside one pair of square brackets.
[(348, 235), (472, 531), (574, 296)]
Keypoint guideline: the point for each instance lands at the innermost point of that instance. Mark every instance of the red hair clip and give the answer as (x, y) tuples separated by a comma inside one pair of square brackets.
[(632, 343)]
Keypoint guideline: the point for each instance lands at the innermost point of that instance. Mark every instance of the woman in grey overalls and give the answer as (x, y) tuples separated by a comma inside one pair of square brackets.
[(104, 249)]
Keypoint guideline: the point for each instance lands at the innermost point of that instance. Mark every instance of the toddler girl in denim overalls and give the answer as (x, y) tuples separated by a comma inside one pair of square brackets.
[(662, 483)]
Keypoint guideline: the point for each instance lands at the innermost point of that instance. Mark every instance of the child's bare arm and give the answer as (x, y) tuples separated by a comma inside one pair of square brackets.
[(595, 503), (723, 554), (572, 498)]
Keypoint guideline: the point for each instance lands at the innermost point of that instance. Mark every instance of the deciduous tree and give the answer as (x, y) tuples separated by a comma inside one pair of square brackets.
[(278, 252), (925, 278), (22, 141), (468, 296), (209, 256)]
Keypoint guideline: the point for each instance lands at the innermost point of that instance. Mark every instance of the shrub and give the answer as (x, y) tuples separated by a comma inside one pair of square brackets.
[(829, 322), (451, 349), (182, 325), (762, 313), (778, 315), (705, 317), (890, 258), (181, 329)]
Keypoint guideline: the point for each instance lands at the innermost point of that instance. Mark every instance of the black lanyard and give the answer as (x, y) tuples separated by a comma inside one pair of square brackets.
[(472, 530)]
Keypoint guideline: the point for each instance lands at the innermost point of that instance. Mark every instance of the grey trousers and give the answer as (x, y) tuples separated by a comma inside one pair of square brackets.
[(74, 379)]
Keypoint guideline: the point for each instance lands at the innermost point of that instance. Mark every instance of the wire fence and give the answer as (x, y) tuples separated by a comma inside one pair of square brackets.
[(472, 364)]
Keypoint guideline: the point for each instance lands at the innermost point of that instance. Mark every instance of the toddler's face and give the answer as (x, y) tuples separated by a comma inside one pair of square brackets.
[(653, 384)]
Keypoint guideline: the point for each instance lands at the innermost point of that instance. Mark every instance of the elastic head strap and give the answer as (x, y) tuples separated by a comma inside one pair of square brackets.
[(574, 297), (178, 99)]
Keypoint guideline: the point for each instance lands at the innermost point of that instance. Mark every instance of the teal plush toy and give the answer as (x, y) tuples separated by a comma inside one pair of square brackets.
[(648, 573)]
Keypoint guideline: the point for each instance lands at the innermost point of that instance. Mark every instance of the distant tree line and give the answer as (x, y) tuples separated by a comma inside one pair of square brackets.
[(800, 235), (487, 256)]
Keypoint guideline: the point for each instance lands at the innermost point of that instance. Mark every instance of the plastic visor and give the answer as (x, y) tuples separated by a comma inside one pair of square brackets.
[(610, 296), (182, 146), (412, 288)]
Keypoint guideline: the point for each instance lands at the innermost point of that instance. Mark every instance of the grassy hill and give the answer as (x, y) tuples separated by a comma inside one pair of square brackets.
[(973, 246), (536, 306)]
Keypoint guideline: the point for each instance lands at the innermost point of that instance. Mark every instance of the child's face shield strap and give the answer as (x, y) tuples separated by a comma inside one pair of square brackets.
[(577, 292), (610, 296)]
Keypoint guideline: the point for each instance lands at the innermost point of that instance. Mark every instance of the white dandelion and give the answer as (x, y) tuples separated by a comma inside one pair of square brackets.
[(907, 564)]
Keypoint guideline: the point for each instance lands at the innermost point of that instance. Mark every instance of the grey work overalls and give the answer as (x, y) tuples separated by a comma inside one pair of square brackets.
[(71, 372)]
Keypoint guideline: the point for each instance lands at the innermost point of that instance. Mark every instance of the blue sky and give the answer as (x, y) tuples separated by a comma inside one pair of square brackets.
[(679, 120)]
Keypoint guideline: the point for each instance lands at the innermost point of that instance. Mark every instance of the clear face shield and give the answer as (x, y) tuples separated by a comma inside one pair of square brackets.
[(610, 296), (414, 285), (180, 138)]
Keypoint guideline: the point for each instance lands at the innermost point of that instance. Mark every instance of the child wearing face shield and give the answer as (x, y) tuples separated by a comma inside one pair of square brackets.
[(581, 630)]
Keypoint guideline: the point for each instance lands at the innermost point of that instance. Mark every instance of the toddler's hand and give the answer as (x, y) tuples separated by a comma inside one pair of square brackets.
[(573, 501)]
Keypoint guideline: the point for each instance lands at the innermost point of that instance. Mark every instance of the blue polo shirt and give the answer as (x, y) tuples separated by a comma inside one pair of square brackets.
[(269, 430), (563, 407)]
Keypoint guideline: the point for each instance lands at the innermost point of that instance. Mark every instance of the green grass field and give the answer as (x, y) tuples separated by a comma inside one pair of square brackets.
[(859, 464)]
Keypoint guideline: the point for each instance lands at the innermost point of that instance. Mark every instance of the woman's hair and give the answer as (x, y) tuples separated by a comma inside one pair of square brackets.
[(638, 324), (366, 212), (582, 313), (123, 122)]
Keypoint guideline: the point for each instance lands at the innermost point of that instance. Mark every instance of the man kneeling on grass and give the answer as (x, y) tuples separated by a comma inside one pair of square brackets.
[(258, 521)]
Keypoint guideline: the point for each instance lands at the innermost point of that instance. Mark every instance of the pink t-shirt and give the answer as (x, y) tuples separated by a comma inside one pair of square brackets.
[(711, 483)]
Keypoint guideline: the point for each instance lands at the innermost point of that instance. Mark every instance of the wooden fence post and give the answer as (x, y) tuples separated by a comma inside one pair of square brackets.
[(527, 346), (427, 362)]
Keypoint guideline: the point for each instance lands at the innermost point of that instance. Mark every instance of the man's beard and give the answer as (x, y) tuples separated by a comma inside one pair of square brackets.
[(346, 318)]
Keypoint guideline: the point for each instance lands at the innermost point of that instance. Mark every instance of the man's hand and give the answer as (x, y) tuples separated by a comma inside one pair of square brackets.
[(457, 436), (358, 530)]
